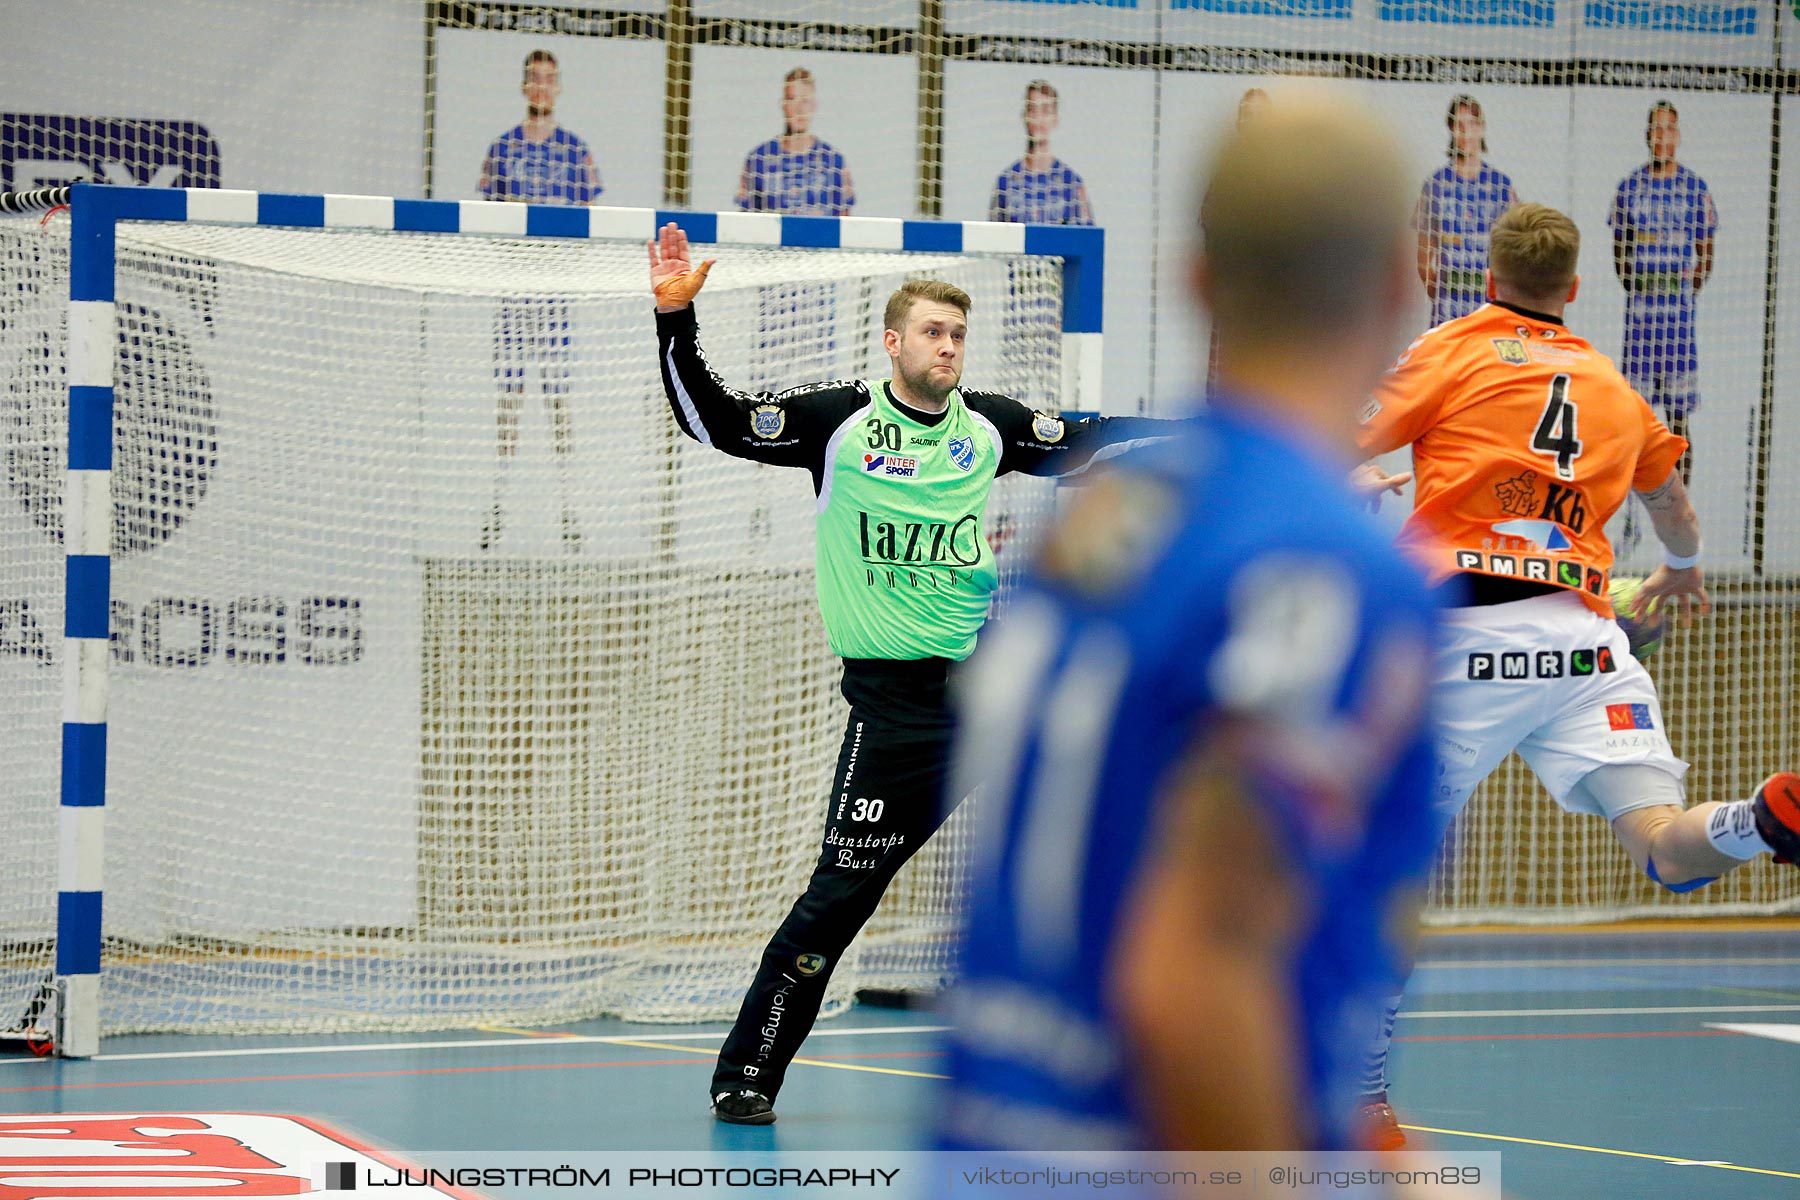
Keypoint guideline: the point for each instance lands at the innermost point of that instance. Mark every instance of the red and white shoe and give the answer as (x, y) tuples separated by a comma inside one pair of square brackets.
[(1777, 809), (1378, 1128)]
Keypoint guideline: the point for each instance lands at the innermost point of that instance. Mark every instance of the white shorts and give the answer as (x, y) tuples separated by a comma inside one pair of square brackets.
[(1554, 680)]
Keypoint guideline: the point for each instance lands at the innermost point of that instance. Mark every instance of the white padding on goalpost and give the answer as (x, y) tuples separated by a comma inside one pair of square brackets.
[(221, 206), (86, 680), (493, 216), (93, 343), (752, 229), (81, 839), (1082, 364), (359, 212), (871, 233), (636, 224), (993, 237), (87, 512)]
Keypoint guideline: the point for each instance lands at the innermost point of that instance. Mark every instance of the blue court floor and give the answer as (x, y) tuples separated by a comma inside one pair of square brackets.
[(1643, 1065)]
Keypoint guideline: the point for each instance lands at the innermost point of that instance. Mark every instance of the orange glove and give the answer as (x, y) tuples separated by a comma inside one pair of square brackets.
[(678, 291)]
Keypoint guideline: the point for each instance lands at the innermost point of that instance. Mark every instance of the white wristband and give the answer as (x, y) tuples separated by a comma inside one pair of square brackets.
[(1677, 562)]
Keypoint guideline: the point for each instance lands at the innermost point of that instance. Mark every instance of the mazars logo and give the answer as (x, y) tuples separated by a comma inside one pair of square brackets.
[(45, 150)]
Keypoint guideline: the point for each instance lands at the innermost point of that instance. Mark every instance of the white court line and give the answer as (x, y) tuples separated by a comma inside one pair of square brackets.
[(1446, 964), (626, 1039), (1779, 1033), (553, 1040), (1600, 1012)]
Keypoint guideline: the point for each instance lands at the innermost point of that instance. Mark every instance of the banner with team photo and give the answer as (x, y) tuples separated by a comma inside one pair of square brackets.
[(1093, 177), (1318, 25), (1691, 32), (859, 115), (1698, 352), (885, 14), (1472, 151), (277, 96), (1198, 110), (1781, 532), (1529, 29), (1112, 21), (607, 105)]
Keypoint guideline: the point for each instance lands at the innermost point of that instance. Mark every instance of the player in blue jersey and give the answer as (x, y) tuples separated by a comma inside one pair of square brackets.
[(540, 162), (1200, 729), (1040, 189), (1663, 221), (1457, 206), (797, 172)]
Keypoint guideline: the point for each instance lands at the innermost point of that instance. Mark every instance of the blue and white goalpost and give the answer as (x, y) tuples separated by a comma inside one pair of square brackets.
[(373, 764)]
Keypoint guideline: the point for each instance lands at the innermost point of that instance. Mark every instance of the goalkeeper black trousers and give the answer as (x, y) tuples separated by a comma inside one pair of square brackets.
[(886, 800)]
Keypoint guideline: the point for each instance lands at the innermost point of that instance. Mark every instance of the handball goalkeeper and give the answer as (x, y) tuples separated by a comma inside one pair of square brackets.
[(901, 467)]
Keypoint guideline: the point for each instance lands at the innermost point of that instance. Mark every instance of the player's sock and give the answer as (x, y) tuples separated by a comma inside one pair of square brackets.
[(1731, 828), (1374, 1075)]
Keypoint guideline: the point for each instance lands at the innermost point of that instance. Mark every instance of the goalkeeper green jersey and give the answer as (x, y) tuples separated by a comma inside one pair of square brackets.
[(904, 567)]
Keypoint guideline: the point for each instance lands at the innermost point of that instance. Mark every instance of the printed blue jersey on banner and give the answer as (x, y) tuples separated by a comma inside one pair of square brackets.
[(1663, 222), (559, 170), (1680, 16), (1184, 629), (1457, 215), (1522, 13), (1053, 197), (813, 182)]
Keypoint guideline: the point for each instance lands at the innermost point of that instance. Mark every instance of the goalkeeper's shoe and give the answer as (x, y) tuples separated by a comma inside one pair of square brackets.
[(1376, 1126), (1777, 809), (743, 1107)]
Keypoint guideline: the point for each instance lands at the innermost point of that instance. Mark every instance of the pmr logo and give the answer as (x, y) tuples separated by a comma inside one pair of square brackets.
[(810, 964), (45, 150), (165, 435)]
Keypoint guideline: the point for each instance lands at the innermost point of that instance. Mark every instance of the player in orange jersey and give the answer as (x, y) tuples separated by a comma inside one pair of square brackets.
[(1526, 440)]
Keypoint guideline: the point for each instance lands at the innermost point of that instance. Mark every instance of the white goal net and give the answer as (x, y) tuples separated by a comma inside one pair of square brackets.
[(414, 724)]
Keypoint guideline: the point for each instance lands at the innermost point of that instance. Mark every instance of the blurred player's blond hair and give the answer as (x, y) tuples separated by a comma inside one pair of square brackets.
[(1304, 220)]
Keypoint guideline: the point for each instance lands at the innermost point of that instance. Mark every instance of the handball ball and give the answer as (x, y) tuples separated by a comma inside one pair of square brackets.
[(1644, 634)]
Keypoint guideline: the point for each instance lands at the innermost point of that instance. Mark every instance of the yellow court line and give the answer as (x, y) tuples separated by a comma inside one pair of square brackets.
[(530, 1033), (810, 1062), (1664, 1158)]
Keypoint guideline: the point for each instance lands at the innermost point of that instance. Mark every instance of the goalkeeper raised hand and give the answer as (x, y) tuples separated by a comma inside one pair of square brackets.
[(672, 277)]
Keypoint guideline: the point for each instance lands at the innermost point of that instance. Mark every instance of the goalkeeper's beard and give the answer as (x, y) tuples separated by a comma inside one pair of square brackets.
[(922, 386)]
